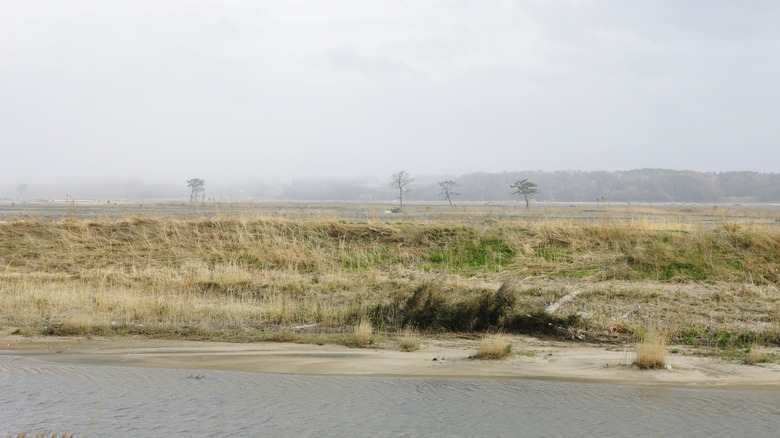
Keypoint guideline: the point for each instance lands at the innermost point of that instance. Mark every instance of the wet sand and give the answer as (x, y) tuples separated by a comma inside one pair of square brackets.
[(436, 358)]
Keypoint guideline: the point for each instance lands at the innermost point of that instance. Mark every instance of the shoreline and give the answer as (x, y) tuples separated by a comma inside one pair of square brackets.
[(437, 358)]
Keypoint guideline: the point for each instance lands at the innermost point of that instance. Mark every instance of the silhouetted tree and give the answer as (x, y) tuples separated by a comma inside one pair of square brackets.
[(198, 186), (401, 181), (525, 188), (447, 188), (21, 189)]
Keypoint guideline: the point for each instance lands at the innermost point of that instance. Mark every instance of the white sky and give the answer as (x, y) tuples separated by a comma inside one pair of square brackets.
[(262, 90)]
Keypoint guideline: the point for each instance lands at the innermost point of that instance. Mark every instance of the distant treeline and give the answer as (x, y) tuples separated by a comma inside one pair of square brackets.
[(644, 185)]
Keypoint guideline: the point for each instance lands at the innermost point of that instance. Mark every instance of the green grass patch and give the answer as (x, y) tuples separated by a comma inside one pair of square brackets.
[(366, 258), (548, 253), (485, 253), (666, 263)]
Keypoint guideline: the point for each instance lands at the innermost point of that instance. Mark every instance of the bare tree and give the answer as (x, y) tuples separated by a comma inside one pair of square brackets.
[(525, 188), (447, 188), (401, 181), (21, 189), (198, 186)]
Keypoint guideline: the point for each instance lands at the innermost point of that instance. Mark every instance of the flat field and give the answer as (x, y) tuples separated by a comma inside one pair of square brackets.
[(706, 275)]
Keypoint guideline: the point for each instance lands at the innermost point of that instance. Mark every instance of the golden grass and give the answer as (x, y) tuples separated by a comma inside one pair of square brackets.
[(242, 275), (651, 349), (493, 347), (410, 340), (756, 354), (362, 333)]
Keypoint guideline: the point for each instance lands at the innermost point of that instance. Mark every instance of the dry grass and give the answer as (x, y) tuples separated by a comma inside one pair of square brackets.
[(238, 275), (651, 350), (756, 354), (362, 333), (493, 347), (410, 340)]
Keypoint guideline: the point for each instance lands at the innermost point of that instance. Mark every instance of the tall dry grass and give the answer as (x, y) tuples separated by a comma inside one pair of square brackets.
[(651, 349), (493, 346), (410, 340), (362, 333), (756, 354), (241, 274)]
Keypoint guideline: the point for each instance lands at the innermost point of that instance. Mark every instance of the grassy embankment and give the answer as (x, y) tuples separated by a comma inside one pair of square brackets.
[(262, 278)]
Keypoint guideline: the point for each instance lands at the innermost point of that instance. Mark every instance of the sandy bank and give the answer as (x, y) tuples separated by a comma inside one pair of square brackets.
[(436, 358)]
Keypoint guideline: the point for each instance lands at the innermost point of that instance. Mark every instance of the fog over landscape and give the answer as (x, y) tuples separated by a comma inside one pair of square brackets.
[(132, 98), (389, 218)]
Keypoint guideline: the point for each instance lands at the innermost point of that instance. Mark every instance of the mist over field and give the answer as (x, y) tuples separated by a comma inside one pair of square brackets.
[(297, 100), (646, 185)]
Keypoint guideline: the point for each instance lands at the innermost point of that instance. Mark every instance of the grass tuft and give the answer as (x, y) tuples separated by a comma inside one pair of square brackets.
[(363, 332), (651, 350), (493, 347), (410, 340), (756, 355)]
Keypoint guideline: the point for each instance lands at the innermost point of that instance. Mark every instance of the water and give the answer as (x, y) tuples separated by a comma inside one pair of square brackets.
[(37, 395)]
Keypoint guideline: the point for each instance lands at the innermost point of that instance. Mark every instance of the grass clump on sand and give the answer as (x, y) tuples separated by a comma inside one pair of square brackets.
[(651, 350), (410, 340), (363, 332), (493, 347)]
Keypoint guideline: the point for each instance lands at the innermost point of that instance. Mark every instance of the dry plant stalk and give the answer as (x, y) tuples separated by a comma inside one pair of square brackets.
[(493, 347), (651, 350)]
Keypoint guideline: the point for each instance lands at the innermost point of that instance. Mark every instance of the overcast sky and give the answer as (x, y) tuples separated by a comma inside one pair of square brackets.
[(264, 90)]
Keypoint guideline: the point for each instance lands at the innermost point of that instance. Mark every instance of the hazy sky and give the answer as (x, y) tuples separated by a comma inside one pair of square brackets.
[(263, 90)]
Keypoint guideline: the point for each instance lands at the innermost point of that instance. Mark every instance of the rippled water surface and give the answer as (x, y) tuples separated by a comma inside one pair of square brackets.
[(36, 395)]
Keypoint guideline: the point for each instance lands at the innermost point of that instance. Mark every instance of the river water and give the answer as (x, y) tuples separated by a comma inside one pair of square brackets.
[(36, 395)]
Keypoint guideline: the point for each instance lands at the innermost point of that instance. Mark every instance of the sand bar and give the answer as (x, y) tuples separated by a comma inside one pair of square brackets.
[(540, 359)]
